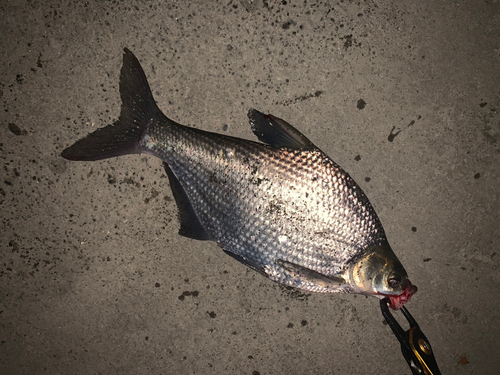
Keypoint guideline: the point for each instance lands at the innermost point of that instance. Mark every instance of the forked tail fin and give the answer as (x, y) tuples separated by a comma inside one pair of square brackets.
[(137, 111)]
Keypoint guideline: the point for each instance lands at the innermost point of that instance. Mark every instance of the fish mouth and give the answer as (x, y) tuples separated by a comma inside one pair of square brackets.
[(398, 301)]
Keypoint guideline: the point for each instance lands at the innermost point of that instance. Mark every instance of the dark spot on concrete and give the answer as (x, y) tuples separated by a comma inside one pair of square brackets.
[(286, 25), (301, 98), (413, 229), (412, 122), (157, 285), (16, 129), (146, 338), (39, 61), (303, 323), (224, 127), (185, 294), (482, 105), (368, 179), (293, 293), (347, 41), (19, 78), (229, 47), (130, 181), (212, 314), (462, 361), (111, 179), (290, 325), (477, 175), (361, 104), (427, 259), (15, 246), (7, 182), (391, 136), (357, 158), (255, 372)]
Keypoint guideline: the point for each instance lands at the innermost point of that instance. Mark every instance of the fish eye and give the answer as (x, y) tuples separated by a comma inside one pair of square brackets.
[(394, 281)]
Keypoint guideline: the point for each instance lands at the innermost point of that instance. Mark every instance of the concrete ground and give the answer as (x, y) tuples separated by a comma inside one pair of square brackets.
[(94, 278)]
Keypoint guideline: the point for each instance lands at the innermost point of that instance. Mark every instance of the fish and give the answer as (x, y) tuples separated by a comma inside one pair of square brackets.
[(280, 206)]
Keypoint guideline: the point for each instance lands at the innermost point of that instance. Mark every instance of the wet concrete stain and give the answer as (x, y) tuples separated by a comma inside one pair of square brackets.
[(187, 293), (16, 130), (349, 41), (294, 293), (393, 135), (301, 98)]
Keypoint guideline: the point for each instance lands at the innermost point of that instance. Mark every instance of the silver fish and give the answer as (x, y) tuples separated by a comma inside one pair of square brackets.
[(281, 207)]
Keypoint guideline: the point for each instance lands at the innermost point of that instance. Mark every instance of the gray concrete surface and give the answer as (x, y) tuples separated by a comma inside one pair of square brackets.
[(93, 276)]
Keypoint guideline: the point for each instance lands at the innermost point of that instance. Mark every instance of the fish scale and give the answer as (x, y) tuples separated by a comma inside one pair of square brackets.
[(255, 190), (281, 207)]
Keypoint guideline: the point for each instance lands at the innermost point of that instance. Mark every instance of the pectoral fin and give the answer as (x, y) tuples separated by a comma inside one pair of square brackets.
[(310, 276)]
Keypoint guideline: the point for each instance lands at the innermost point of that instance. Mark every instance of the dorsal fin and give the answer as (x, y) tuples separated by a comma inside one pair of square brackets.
[(190, 224), (277, 132)]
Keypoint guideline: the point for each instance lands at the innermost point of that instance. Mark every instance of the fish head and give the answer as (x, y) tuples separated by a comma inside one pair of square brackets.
[(379, 272)]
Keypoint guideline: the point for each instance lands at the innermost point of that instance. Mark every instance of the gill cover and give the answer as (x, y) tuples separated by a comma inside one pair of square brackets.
[(379, 272)]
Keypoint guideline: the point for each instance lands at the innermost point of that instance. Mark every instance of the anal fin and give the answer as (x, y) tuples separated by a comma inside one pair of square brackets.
[(191, 226)]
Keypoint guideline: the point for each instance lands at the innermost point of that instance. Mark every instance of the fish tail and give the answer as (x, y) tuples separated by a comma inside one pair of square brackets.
[(137, 112)]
